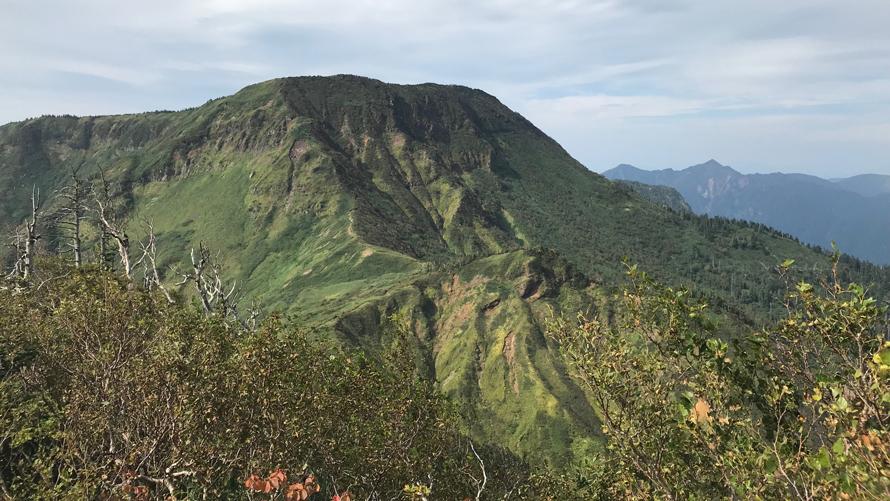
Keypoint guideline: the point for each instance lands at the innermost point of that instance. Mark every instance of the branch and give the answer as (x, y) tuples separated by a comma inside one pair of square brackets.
[(481, 487)]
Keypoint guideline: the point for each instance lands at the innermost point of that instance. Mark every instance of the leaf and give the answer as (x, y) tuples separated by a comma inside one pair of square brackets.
[(839, 446), (701, 412), (841, 404), (821, 460), (866, 442), (255, 483), (276, 479), (882, 358), (817, 395), (296, 492)]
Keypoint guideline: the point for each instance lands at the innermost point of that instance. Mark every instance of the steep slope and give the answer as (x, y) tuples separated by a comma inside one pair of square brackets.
[(815, 210), (664, 196), (342, 200)]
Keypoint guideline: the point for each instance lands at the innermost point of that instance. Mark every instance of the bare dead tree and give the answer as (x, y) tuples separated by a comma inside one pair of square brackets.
[(253, 318), (112, 228), (18, 245), (196, 277), (31, 236), (151, 277), (117, 233), (104, 256), (215, 295), (73, 212)]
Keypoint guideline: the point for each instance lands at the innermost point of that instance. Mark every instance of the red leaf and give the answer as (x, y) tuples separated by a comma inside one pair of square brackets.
[(295, 492), (255, 483), (276, 479)]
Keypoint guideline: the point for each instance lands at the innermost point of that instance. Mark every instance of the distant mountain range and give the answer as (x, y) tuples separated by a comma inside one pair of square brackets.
[(868, 185), (854, 212)]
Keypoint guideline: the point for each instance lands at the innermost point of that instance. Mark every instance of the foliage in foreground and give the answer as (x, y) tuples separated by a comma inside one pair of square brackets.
[(108, 390), (799, 411), (111, 391)]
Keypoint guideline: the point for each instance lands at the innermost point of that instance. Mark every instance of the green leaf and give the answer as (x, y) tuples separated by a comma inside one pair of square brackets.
[(839, 446), (882, 357), (821, 460), (841, 404)]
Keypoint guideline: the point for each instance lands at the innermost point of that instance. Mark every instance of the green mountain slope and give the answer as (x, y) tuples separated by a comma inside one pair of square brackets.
[(341, 200), (660, 195)]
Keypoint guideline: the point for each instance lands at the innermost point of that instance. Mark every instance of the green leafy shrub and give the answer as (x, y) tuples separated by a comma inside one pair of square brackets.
[(799, 410)]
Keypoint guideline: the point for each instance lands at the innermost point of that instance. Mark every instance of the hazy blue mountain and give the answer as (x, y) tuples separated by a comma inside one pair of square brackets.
[(868, 185), (852, 212)]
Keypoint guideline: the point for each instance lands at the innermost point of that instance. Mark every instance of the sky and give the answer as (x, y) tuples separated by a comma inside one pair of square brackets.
[(761, 85)]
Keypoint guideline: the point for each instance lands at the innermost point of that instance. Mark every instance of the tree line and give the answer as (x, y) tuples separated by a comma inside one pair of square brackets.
[(87, 216)]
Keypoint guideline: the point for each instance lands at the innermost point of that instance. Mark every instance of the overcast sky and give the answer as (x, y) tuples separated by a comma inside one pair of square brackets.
[(762, 85)]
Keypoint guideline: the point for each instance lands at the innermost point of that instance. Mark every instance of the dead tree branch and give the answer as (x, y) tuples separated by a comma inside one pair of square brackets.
[(113, 229), (215, 295), (151, 277), (26, 244), (73, 212), (17, 243), (480, 485)]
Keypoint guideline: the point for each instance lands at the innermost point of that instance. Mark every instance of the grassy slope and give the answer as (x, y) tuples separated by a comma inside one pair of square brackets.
[(341, 200)]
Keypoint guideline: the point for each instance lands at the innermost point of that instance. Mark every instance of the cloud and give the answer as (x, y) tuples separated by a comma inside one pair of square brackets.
[(595, 107)]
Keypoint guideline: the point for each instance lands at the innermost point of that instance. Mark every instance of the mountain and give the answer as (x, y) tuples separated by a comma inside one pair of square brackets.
[(664, 196), (815, 210), (867, 185), (342, 200)]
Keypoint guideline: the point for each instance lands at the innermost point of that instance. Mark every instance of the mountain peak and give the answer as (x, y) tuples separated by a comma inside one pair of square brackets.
[(622, 168), (711, 167), (710, 164)]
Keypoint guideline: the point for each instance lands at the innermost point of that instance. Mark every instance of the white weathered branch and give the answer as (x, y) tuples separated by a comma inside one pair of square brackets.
[(480, 485), (116, 232), (150, 266)]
